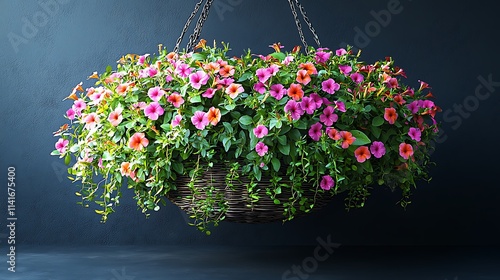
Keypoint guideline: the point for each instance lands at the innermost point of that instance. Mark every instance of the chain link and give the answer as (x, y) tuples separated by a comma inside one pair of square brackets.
[(306, 19), (186, 26), (199, 25), (299, 26)]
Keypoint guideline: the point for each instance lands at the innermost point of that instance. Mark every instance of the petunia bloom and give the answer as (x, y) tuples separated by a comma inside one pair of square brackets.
[(328, 117), (309, 67), (345, 69), (377, 148), (315, 131), (198, 79), (153, 111), (61, 145), (176, 121), (405, 150), (277, 91), (209, 93), (259, 87), (303, 77), (362, 154), (333, 133), (261, 149), (415, 134), (70, 113), (91, 120), (339, 105), (347, 139), (138, 141), (200, 120), (260, 131), (357, 78), (176, 99), (125, 169), (156, 93), (340, 52), (183, 70), (390, 115), (234, 89), (79, 105), (263, 74), (214, 115), (115, 117), (293, 108), (308, 105), (327, 182), (295, 92), (322, 57), (330, 86)]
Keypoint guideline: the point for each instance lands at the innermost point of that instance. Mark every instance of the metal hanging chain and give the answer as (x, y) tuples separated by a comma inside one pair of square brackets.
[(199, 25), (299, 26), (186, 26), (306, 19)]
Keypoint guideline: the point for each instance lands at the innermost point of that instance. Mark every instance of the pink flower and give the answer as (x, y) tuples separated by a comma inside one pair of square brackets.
[(277, 91), (261, 149), (234, 89), (357, 78), (390, 115), (333, 133), (260, 131), (318, 100), (330, 86), (273, 69), (293, 108), (340, 52), (345, 69), (138, 141), (308, 105), (142, 59), (176, 99), (328, 117), (91, 120), (139, 105), (153, 111), (99, 163), (176, 121), (362, 154), (198, 79), (392, 83), (115, 117), (156, 93), (200, 120), (377, 148), (259, 87), (327, 182), (70, 113), (209, 93), (287, 60), (183, 70), (263, 74), (415, 134), (339, 105), (322, 57), (78, 106), (62, 145), (405, 150), (151, 71), (315, 131)]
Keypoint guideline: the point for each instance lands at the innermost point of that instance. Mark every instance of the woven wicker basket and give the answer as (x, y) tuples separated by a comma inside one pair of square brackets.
[(237, 197)]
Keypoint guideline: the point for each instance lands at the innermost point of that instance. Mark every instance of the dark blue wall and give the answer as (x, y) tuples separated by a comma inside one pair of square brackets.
[(449, 45)]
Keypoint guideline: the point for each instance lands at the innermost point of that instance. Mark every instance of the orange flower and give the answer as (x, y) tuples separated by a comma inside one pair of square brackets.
[(362, 154), (122, 89), (295, 92), (234, 89), (138, 141), (125, 169), (214, 115), (303, 77), (390, 115), (226, 71), (405, 150), (347, 139), (309, 67), (212, 67)]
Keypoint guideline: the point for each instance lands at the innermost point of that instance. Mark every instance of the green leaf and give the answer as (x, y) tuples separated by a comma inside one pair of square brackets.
[(230, 107), (284, 149), (277, 190), (301, 124), (376, 131), (378, 121), (109, 68), (361, 138), (67, 159), (245, 76), (198, 56), (279, 55), (282, 139), (195, 99), (55, 153), (276, 201), (228, 127), (276, 164), (226, 142), (178, 167), (246, 120), (107, 156)]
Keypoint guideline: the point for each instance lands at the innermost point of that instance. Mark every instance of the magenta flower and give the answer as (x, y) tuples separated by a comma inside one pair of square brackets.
[(176, 99), (308, 105), (263, 74), (287, 60), (315, 131), (345, 69), (415, 134), (156, 93), (259, 87), (183, 70), (340, 52), (327, 182), (152, 71), (318, 100), (79, 105), (176, 121), (62, 145), (277, 91), (198, 79), (414, 106), (339, 105), (153, 111), (330, 86), (260, 131), (261, 149), (293, 108), (99, 163), (209, 93), (70, 114), (328, 117), (357, 78), (322, 57), (200, 120), (273, 69), (377, 148), (139, 105), (142, 59)]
